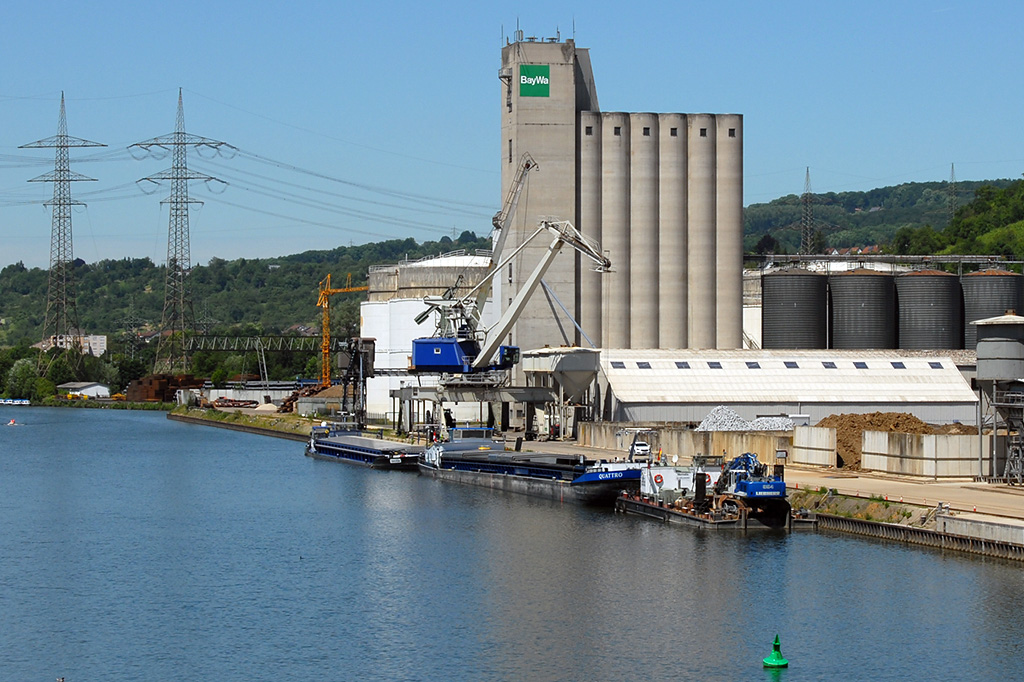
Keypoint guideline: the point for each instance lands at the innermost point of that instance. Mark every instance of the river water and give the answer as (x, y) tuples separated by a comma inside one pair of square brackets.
[(136, 548)]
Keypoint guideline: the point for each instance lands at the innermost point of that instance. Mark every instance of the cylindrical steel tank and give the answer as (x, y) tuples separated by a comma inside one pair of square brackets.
[(988, 293), (930, 315), (615, 228), (672, 232), (643, 229), (1001, 348), (701, 261), (863, 309), (589, 221), (729, 232), (794, 309)]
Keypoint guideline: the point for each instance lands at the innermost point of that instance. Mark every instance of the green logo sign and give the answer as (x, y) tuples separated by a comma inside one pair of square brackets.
[(534, 80)]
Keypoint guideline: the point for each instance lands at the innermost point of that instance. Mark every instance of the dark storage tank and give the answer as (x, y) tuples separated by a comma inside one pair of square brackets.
[(930, 315), (988, 293), (794, 309), (863, 309)]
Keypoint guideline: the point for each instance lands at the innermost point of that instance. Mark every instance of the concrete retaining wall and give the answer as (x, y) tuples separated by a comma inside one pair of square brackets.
[(813, 446), (687, 443), (929, 456)]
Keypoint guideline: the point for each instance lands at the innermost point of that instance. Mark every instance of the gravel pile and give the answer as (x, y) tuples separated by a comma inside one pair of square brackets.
[(772, 424), (723, 418)]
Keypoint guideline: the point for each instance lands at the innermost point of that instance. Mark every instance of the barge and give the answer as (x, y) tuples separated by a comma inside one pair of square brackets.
[(740, 495), (337, 444), (479, 461)]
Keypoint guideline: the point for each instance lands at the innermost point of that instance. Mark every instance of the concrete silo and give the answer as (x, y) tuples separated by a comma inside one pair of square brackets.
[(701, 224), (615, 215), (729, 230), (589, 223), (643, 228), (672, 249)]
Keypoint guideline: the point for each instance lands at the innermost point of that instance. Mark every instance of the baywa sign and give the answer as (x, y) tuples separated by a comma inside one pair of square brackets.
[(534, 80)]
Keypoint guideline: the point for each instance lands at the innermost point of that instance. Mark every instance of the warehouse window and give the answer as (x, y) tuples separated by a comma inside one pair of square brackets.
[(643, 365), (732, 132), (674, 132), (703, 132), (682, 365), (898, 365), (590, 130), (860, 365), (618, 365), (618, 130), (647, 131), (714, 365), (828, 365), (935, 365), (792, 365), (753, 365)]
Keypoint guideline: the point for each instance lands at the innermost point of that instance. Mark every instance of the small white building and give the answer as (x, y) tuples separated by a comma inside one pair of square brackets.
[(84, 388)]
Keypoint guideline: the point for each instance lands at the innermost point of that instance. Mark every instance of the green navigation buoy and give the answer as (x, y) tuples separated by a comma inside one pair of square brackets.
[(775, 659)]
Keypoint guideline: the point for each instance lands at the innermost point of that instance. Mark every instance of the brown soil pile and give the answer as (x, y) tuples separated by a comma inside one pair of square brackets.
[(850, 428)]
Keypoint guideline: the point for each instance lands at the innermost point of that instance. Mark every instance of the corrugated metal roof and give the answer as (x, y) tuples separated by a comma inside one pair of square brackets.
[(777, 376)]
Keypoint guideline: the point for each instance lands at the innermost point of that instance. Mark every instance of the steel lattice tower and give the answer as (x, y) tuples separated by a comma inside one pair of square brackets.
[(807, 217), (178, 317), (60, 327), (951, 195)]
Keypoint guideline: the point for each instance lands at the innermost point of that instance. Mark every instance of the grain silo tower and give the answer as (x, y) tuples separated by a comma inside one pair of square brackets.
[(930, 312), (794, 309), (989, 293), (863, 309), (661, 192)]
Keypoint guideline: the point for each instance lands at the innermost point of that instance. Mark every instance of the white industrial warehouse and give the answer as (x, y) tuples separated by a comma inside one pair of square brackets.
[(680, 386)]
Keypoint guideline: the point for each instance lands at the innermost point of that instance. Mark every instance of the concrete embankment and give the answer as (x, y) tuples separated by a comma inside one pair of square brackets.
[(291, 434), (936, 526)]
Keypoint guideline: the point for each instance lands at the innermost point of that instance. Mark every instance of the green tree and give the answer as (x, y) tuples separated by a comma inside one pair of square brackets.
[(21, 379)]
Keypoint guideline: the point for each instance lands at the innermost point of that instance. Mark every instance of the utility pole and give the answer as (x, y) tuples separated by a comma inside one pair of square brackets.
[(807, 217), (178, 317), (60, 327)]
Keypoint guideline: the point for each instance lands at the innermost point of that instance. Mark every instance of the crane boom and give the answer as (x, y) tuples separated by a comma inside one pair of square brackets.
[(467, 353), (564, 233), (501, 222), (323, 302)]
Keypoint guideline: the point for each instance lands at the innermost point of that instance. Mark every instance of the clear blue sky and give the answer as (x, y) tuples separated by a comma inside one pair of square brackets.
[(349, 115)]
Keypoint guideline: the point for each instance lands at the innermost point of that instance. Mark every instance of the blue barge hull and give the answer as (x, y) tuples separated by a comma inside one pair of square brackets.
[(356, 449)]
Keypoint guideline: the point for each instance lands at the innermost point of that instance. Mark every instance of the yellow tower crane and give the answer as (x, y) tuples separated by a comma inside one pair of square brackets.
[(325, 336)]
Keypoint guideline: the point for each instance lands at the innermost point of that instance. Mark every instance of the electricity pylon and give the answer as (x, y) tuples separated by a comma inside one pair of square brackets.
[(60, 327), (178, 316)]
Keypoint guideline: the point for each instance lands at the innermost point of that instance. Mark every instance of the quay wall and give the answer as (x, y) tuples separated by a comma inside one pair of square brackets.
[(973, 544), (980, 529)]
